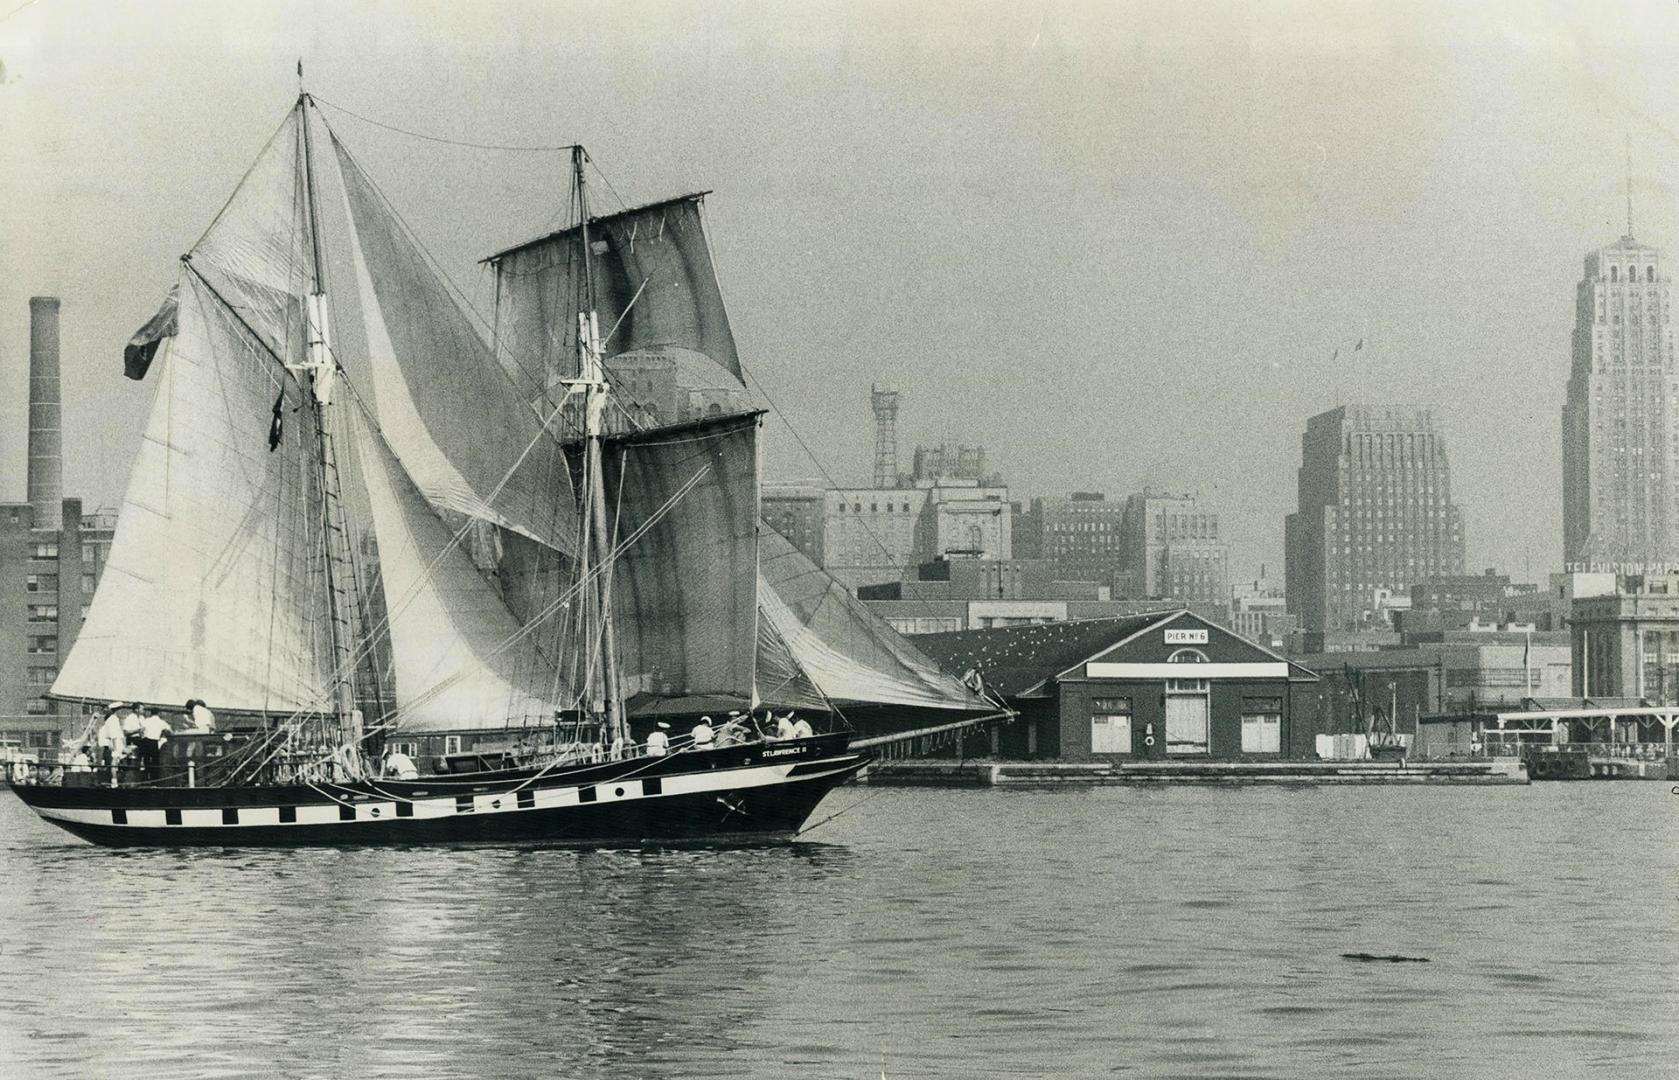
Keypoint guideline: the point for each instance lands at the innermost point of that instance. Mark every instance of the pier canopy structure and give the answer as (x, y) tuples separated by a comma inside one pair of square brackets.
[(1610, 736)]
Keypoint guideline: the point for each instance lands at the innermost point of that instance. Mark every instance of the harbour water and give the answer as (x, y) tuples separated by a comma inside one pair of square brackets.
[(925, 933)]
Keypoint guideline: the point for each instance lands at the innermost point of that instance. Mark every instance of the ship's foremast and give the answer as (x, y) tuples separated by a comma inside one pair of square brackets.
[(320, 369)]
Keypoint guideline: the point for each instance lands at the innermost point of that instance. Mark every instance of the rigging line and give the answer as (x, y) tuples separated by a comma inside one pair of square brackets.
[(622, 205), (437, 138)]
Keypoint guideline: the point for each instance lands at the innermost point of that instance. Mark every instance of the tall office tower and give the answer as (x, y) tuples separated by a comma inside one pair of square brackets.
[(884, 400), (1620, 424), (1171, 548), (1375, 514)]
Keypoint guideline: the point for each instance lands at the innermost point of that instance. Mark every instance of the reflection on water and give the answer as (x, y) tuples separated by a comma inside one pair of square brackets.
[(1189, 932)]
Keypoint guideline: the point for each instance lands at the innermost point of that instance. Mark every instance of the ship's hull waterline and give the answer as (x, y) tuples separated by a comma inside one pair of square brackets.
[(758, 793)]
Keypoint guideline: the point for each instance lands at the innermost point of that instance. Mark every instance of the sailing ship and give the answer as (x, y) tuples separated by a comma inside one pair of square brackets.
[(361, 521)]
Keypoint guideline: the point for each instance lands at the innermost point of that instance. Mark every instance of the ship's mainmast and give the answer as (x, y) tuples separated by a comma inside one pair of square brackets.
[(592, 382)]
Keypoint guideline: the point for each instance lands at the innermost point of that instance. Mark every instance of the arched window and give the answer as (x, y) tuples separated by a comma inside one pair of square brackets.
[(1632, 273), (1614, 273), (1187, 656), (714, 409), (1649, 273)]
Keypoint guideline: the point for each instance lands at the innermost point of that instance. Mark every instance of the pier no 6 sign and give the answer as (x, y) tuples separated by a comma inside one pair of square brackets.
[(1186, 637)]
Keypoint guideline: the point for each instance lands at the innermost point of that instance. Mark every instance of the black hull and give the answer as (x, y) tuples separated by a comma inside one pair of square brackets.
[(757, 794)]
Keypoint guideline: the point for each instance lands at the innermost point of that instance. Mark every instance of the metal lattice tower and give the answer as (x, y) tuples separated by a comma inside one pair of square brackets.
[(884, 399)]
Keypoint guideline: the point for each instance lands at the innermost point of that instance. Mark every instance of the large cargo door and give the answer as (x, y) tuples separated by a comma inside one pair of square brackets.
[(1186, 722)]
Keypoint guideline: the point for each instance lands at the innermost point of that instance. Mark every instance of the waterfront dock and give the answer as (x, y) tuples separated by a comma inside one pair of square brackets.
[(982, 773)]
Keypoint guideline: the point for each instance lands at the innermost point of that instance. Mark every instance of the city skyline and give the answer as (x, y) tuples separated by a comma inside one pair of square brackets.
[(1184, 279)]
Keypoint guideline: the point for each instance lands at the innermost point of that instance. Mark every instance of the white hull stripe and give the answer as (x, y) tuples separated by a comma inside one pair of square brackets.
[(376, 809)]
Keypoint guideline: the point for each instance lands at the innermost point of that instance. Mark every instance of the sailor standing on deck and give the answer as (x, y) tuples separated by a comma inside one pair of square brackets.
[(154, 732), (132, 721), (110, 738), (658, 743)]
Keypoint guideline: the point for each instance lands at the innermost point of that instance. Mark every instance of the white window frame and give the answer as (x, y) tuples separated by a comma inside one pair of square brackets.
[(451, 744)]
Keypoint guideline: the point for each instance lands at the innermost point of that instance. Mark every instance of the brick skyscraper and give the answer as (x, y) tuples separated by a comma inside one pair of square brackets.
[(1375, 513)]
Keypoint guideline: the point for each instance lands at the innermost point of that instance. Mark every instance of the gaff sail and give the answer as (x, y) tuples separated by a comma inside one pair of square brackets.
[(655, 286)]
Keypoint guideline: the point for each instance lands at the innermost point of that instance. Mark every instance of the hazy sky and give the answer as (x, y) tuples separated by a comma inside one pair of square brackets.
[(1116, 243)]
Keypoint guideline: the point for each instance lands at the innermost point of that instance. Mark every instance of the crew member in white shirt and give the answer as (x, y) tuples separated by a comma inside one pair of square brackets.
[(202, 718), (110, 738), (154, 731), (702, 734), (658, 743)]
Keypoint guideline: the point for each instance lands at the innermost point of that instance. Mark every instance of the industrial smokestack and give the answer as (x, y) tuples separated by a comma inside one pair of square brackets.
[(46, 443)]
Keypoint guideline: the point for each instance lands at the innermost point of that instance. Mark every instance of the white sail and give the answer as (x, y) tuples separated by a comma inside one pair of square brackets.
[(849, 653), (453, 665), (256, 254), (465, 434), (212, 588)]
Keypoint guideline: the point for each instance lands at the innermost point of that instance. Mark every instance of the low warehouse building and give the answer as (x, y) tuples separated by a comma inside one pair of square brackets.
[(1165, 685)]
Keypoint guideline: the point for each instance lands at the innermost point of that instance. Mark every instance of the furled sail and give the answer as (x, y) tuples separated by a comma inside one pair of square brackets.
[(459, 659), (464, 432), (845, 650), (684, 591), (210, 589), (655, 286)]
